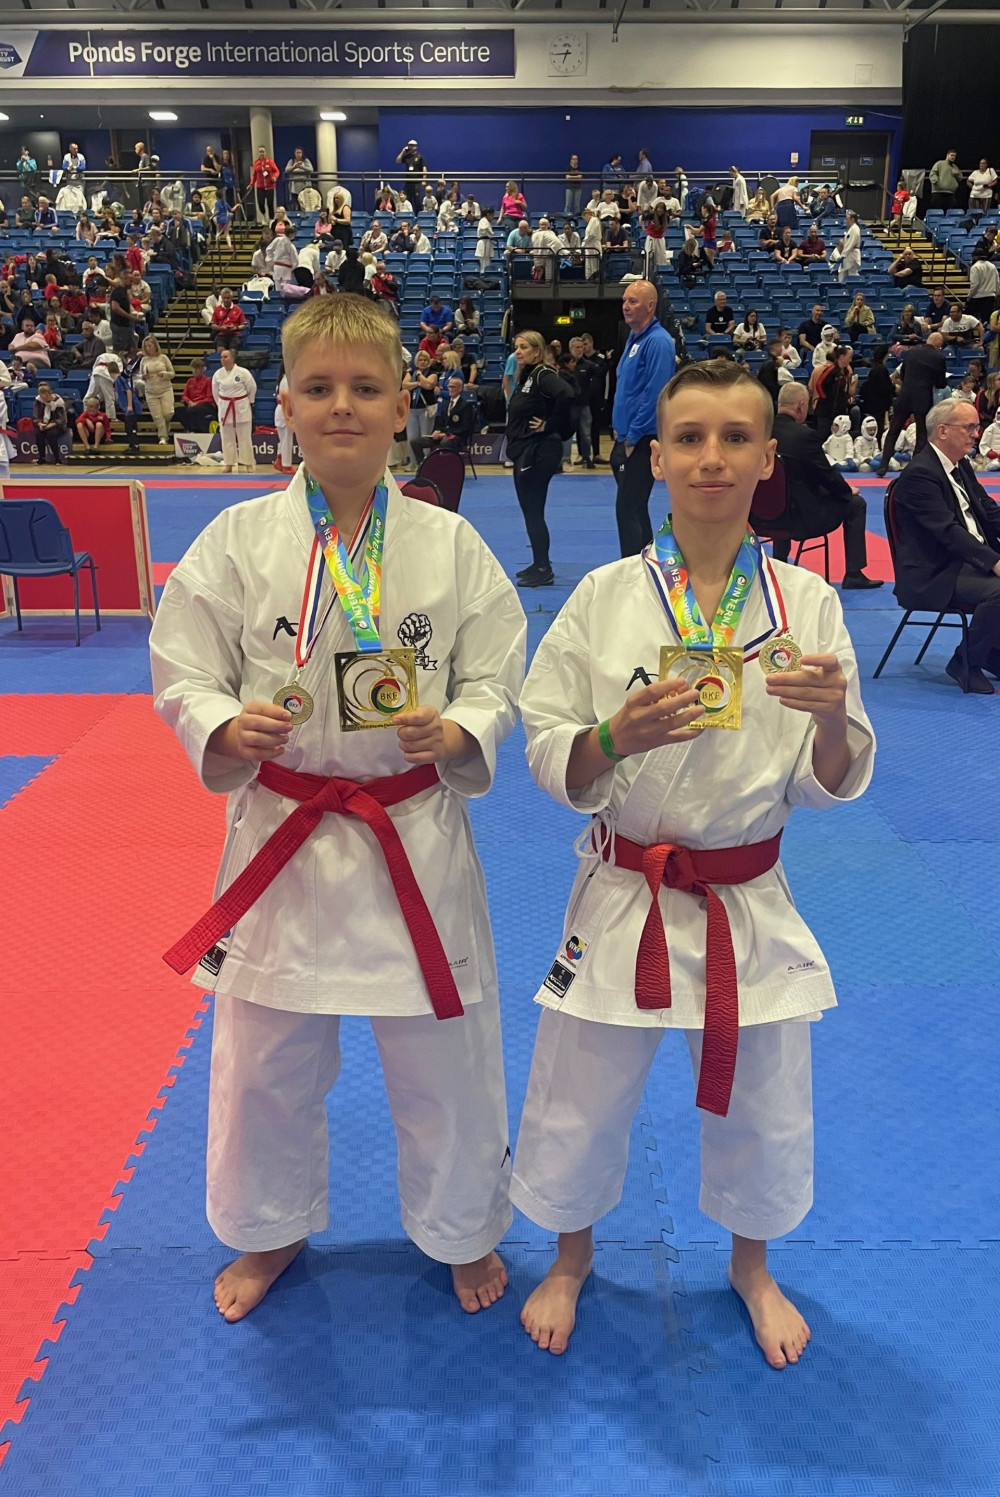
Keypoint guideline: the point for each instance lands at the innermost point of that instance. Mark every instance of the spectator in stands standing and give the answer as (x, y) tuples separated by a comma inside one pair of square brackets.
[(785, 203), (157, 374), (535, 417), (197, 402), (982, 185), (945, 180), (264, 176), (545, 247), (298, 175), (281, 257), (923, 370), (121, 314), (644, 167), (228, 321), (984, 287), (593, 244), (574, 187), (647, 363), (878, 390), (513, 208), (415, 169), (741, 197), (26, 168), (906, 270), (848, 250), (613, 171), (484, 240)]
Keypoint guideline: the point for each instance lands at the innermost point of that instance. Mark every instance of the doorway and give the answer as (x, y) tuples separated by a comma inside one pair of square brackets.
[(859, 161)]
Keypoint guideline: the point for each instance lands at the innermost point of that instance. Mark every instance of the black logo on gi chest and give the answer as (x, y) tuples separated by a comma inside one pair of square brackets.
[(640, 674), (416, 632), (283, 623)]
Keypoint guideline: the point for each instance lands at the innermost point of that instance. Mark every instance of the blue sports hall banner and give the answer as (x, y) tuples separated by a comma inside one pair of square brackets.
[(227, 53)]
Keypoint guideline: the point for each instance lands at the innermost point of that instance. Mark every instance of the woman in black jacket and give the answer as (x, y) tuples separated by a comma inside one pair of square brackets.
[(351, 275), (538, 411)]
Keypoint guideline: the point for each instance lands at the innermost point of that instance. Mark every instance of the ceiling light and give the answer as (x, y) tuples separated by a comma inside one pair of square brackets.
[(4, 116), (332, 114), (162, 114)]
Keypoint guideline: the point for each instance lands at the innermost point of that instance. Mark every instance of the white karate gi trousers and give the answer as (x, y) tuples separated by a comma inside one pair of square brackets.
[(268, 1150), (237, 444), (286, 437), (849, 265), (584, 1091)]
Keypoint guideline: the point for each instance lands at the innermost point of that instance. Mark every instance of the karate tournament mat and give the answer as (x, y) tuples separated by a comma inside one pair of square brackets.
[(359, 1376)]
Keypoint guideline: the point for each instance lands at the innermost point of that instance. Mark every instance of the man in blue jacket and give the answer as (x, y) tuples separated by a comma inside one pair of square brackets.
[(646, 365)]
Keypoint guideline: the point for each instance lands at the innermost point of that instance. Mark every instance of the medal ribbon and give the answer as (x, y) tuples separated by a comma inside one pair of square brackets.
[(308, 631), (360, 595), (691, 627)]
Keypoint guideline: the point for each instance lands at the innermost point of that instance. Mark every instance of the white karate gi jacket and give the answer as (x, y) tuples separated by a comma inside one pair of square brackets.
[(839, 446), (234, 391), (327, 936), (724, 789)]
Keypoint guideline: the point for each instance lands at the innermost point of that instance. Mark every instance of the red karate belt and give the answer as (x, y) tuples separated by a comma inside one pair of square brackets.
[(695, 873), (318, 796)]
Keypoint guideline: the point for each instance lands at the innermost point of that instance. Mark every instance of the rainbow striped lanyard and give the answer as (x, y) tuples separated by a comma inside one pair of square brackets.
[(360, 595), (688, 622)]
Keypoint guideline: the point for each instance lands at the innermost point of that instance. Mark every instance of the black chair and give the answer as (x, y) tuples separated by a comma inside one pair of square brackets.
[(424, 489), (769, 503), (908, 621), (35, 543), (446, 470)]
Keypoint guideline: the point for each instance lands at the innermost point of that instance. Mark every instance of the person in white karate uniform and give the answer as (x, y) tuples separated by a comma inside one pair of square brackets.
[(387, 919), (280, 257), (234, 390), (698, 809), (286, 437), (868, 448), (839, 445), (848, 251)]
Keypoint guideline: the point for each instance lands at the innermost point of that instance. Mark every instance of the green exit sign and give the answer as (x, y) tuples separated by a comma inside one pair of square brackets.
[(578, 313), (854, 119)]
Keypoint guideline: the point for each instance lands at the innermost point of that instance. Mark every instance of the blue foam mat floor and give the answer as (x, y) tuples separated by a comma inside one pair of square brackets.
[(358, 1376)]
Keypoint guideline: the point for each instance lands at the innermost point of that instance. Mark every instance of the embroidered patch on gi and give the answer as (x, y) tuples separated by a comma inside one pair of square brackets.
[(212, 961), (559, 979), (415, 631), (574, 948)]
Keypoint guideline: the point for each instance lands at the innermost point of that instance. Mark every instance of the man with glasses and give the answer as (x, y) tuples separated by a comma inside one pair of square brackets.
[(948, 540)]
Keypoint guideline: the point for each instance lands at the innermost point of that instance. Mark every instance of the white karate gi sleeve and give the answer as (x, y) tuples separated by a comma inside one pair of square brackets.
[(486, 666), (557, 706), (803, 787), (197, 664)]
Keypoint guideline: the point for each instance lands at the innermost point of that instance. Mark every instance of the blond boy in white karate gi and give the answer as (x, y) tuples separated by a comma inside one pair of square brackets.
[(372, 899), (680, 916)]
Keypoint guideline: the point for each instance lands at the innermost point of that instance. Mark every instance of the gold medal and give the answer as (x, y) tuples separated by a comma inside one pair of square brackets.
[(375, 687), (779, 655), (716, 675), (296, 700)]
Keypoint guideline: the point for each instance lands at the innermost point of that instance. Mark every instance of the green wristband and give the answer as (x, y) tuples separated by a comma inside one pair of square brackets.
[(604, 739)]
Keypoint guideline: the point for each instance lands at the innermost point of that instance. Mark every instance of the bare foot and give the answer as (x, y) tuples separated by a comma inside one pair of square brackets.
[(549, 1312), (480, 1284), (243, 1284), (781, 1332)]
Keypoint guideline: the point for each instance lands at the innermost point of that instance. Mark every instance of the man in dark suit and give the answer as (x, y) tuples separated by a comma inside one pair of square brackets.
[(817, 498), (454, 423), (948, 540), (924, 371)]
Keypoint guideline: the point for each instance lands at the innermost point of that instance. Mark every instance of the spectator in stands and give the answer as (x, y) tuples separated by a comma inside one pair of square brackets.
[(593, 243), (403, 241), (848, 250), (987, 245), (719, 320), (122, 314), (374, 241), (545, 248), (341, 217), (197, 401), (465, 361), (948, 541), (92, 425), (772, 369), (298, 175), (422, 383), (351, 275), (484, 240), (860, 319), (385, 287), (211, 169), (433, 343), (86, 230), (467, 318), (818, 499), (770, 235), (437, 316), (26, 167), (787, 252), (414, 169), (741, 196), (644, 167), (281, 217), (825, 206), (984, 287), (513, 208), (404, 204), (785, 204), (906, 270), (570, 244), (908, 331), (758, 208), (832, 386), (812, 249), (608, 205), (323, 227), (536, 417), (982, 185), (646, 195), (24, 218), (705, 231), (876, 394), (31, 345), (258, 260), (922, 372), (88, 349), (46, 217), (50, 421), (612, 170), (656, 222), (749, 334), (469, 210), (829, 339), (936, 310), (574, 187), (157, 374), (641, 376), (961, 329), (454, 423), (518, 240), (281, 257), (945, 180), (264, 175), (690, 263), (228, 321)]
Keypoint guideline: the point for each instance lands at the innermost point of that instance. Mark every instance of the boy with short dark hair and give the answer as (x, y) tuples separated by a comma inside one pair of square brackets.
[(680, 916), (415, 633)]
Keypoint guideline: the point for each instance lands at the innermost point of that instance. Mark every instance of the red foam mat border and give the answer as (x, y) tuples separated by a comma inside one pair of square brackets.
[(109, 856)]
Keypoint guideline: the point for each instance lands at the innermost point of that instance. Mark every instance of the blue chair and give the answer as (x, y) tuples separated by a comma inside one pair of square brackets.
[(35, 543)]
